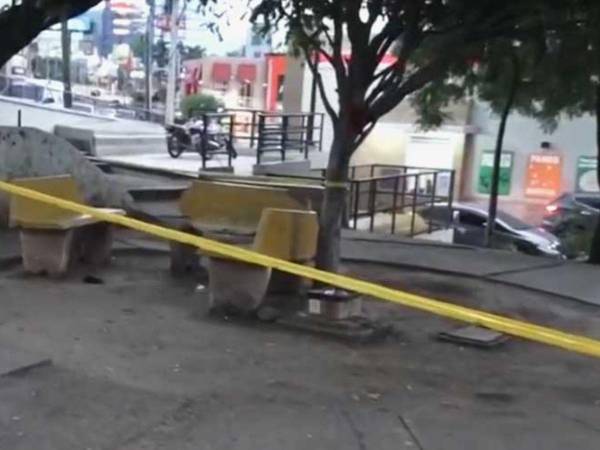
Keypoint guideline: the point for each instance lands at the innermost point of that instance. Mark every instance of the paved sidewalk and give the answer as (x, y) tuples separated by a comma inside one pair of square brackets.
[(573, 280)]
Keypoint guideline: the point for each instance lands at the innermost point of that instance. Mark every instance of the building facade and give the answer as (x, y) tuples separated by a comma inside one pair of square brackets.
[(537, 165), (250, 83)]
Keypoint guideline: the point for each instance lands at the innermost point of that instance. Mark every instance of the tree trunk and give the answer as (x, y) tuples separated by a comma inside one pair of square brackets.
[(493, 206), (333, 207), (594, 257)]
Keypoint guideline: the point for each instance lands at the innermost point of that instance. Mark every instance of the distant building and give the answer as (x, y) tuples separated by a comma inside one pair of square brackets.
[(241, 82), (120, 21)]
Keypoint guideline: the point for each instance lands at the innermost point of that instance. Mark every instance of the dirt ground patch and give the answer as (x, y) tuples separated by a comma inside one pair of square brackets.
[(137, 364)]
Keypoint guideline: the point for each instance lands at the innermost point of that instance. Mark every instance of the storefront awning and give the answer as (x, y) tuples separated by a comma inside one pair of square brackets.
[(221, 72), (246, 73)]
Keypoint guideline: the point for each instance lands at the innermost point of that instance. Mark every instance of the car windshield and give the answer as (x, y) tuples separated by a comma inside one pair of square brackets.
[(512, 221)]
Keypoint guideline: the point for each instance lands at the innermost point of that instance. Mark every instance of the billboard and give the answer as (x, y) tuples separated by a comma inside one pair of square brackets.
[(544, 175), (587, 174), (484, 185)]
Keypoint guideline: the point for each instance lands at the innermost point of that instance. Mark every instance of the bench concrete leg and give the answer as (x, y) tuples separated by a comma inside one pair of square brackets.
[(184, 259), (95, 243), (46, 251), (236, 286), (285, 283)]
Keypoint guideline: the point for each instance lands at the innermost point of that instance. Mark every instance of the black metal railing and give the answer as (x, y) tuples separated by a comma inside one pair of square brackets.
[(283, 133), (398, 195), (394, 192), (276, 132)]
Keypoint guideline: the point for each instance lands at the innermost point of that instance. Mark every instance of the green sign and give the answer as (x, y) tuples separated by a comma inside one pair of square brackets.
[(587, 175), (484, 186)]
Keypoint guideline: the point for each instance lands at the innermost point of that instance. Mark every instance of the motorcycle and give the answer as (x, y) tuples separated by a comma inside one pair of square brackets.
[(193, 136)]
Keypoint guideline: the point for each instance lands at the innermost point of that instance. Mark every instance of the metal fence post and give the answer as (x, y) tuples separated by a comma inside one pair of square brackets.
[(356, 200), (284, 135), (304, 134), (433, 191), (372, 191), (414, 206), (253, 128), (394, 204), (261, 137), (322, 118), (204, 139)]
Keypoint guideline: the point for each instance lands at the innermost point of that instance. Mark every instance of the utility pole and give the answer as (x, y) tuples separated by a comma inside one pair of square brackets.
[(173, 64), (149, 56), (66, 57)]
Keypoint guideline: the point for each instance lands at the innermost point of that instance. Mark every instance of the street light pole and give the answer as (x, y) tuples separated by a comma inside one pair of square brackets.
[(149, 56), (173, 73), (66, 57)]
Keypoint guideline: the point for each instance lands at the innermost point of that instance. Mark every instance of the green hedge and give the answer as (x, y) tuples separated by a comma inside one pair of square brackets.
[(195, 105)]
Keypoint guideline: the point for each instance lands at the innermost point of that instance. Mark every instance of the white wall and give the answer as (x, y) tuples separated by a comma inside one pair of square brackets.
[(389, 140)]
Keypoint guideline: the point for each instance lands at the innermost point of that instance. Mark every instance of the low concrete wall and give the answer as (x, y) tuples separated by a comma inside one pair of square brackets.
[(29, 152)]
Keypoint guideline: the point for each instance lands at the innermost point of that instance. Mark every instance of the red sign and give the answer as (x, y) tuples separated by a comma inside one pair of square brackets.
[(544, 175), (276, 70)]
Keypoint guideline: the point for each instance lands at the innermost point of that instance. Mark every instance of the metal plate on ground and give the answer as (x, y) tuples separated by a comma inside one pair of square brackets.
[(475, 336), (17, 362)]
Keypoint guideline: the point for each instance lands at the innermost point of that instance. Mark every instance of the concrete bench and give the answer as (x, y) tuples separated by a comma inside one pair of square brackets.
[(226, 212), (50, 236), (287, 234)]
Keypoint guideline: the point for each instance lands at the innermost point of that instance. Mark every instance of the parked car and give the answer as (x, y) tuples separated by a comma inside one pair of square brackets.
[(573, 218), (469, 222)]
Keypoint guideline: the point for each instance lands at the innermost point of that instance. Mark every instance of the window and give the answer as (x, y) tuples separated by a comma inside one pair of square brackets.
[(512, 221), (592, 202), (472, 219), (245, 99), (246, 90), (501, 229)]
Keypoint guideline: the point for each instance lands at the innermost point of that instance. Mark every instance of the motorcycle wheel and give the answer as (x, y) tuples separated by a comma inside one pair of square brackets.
[(174, 148)]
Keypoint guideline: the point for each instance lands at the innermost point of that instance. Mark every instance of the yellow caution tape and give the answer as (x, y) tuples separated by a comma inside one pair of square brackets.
[(506, 325)]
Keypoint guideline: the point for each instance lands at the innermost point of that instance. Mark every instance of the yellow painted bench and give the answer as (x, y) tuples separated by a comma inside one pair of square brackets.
[(286, 234), (233, 209), (51, 236), (227, 212)]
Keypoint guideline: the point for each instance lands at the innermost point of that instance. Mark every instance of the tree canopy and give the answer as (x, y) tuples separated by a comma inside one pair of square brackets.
[(557, 75), (354, 37), (23, 20)]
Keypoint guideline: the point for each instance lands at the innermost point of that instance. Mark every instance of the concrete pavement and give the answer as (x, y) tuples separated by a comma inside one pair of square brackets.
[(137, 364), (190, 163), (567, 279)]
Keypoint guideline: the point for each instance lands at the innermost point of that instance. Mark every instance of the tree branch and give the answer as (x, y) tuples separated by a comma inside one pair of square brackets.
[(390, 99), (364, 134), (314, 68)]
